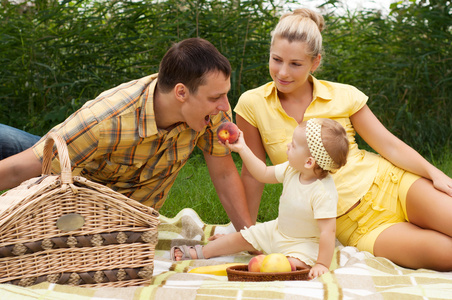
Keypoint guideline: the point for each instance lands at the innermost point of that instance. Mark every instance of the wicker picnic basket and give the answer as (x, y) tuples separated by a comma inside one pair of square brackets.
[(69, 230)]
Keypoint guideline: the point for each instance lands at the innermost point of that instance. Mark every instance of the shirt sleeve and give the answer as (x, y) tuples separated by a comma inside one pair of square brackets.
[(359, 99), (245, 107), (280, 171), (324, 200), (81, 132)]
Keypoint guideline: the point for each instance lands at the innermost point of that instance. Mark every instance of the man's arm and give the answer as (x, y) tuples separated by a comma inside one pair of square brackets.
[(229, 187), (18, 168)]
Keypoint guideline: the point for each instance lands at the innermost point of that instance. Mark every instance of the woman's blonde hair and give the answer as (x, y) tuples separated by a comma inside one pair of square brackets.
[(301, 25)]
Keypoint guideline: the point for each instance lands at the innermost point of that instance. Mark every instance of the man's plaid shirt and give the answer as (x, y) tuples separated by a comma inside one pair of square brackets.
[(114, 140)]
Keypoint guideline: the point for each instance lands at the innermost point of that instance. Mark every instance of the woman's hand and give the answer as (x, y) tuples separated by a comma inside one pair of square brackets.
[(442, 182)]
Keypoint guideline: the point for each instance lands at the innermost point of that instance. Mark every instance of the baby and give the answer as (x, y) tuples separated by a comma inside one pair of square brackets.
[(305, 228)]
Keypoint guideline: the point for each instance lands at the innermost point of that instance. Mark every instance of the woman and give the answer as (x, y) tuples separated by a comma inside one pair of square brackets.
[(395, 204)]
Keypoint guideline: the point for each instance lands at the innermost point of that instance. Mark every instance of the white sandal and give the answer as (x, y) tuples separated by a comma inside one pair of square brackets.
[(186, 252)]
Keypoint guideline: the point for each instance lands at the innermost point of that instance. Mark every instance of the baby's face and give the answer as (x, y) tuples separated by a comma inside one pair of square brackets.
[(298, 151)]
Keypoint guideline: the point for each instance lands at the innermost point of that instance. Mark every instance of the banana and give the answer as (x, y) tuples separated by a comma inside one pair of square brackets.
[(219, 270)]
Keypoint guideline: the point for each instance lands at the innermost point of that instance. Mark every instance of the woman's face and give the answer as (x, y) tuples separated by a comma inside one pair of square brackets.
[(290, 65)]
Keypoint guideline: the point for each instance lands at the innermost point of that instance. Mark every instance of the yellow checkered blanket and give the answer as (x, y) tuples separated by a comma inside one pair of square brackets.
[(353, 275)]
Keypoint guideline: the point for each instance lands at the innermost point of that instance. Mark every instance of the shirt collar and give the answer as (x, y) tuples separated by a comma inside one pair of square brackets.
[(146, 124), (269, 89), (320, 91)]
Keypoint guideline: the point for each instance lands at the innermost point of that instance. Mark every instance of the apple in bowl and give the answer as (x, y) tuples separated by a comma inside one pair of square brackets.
[(255, 263), (276, 262)]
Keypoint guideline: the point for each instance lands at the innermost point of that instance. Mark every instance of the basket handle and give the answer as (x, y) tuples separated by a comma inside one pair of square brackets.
[(63, 155)]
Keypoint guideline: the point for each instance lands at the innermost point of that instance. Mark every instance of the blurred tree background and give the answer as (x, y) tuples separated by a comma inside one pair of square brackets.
[(56, 55)]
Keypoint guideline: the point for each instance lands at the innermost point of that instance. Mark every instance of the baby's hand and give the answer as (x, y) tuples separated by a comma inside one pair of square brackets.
[(317, 270), (238, 145)]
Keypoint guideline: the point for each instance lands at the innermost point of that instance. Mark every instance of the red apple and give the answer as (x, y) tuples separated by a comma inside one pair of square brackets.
[(255, 263), (228, 131)]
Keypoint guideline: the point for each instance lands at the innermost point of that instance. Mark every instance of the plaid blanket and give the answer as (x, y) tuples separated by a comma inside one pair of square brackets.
[(354, 275)]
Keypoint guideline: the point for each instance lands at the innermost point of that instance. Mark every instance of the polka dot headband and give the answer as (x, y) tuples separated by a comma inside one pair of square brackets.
[(315, 145)]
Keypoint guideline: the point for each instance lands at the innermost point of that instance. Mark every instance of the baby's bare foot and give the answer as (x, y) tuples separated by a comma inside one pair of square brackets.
[(179, 254), (297, 264)]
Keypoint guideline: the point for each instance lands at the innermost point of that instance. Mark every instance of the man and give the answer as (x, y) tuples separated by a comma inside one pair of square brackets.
[(136, 137)]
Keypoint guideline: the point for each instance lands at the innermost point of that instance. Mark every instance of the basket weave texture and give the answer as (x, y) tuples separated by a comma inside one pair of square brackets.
[(241, 273), (69, 230)]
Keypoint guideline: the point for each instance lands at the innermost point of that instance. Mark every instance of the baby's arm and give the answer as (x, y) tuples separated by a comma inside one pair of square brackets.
[(255, 166), (326, 247)]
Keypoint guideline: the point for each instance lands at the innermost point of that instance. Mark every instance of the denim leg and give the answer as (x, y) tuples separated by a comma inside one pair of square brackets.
[(13, 140)]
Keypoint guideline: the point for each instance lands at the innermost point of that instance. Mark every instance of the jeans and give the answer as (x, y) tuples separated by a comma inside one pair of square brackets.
[(13, 140)]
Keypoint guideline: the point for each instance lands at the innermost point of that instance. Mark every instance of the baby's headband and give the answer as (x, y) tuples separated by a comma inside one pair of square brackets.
[(315, 145)]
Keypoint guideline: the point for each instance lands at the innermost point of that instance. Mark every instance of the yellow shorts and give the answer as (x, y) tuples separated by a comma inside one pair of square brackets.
[(383, 206)]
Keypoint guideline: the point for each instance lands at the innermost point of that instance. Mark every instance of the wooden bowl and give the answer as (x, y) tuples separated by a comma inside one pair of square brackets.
[(241, 273)]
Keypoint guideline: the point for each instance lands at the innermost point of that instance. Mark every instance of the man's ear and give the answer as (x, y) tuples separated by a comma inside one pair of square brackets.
[(181, 92), (310, 163)]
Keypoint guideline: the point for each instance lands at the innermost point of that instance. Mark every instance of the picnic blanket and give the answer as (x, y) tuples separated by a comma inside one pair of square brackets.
[(353, 275)]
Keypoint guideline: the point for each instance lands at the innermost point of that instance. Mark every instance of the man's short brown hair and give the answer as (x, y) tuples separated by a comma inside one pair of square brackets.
[(188, 62)]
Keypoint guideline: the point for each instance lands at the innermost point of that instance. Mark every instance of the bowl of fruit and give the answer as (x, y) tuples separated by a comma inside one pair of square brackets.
[(272, 267)]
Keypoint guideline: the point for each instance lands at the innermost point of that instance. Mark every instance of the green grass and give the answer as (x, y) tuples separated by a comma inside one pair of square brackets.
[(193, 188)]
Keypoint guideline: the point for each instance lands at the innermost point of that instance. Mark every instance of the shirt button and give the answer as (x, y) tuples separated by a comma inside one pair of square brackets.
[(394, 178), (363, 230), (368, 196)]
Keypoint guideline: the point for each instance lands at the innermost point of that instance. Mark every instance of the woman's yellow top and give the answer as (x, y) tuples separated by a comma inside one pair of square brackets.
[(261, 108)]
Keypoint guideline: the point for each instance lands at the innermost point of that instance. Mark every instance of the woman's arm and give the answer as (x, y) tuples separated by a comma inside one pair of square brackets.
[(253, 188), (393, 149)]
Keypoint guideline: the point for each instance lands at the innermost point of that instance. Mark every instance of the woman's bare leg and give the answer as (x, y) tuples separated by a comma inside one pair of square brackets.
[(429, 208), (413, 247), (425, 241)]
